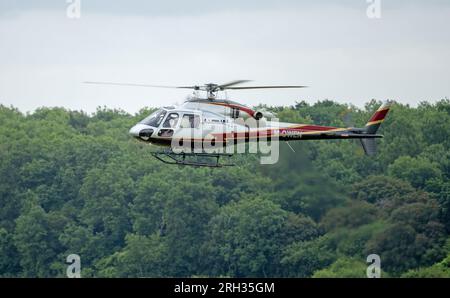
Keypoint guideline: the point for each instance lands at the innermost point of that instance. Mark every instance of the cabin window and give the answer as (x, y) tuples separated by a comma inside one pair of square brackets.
[(171, 120), (190, 121), (154, 119)]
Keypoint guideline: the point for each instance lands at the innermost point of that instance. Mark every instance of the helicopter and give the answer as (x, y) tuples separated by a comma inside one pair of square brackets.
[(203, 129)]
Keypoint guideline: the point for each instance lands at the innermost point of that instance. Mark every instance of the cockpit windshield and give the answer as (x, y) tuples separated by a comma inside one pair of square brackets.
[(155, 118)]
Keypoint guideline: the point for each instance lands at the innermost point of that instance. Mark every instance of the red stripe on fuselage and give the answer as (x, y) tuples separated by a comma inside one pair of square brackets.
[(242, 108)]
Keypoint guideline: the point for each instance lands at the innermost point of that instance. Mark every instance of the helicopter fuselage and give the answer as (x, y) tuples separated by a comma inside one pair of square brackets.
[(213, 123)]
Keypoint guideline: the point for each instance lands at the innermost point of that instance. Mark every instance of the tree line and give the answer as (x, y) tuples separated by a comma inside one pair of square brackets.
[(74, 183)]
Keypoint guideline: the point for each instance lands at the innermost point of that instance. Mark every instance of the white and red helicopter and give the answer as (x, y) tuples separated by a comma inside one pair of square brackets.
[(206, 125)]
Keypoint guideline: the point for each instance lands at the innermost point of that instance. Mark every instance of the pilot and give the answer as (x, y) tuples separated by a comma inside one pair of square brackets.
[(171, 121)]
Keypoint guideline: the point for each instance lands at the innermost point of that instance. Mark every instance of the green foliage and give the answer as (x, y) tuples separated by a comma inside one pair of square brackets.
[(387, 193), (36, 242), (343, 268), (302, 259), (352, 242), (73, 183), (435, 271), (245, 238), (142, 256), (401, 248), (438, 270), (418, 171), (352, 215), (296, 182), (9, 261)]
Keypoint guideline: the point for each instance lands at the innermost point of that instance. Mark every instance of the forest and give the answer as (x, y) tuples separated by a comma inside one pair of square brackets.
[(77, 183)]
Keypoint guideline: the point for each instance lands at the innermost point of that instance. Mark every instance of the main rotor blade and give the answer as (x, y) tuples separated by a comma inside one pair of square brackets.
[(232, 83), (141, 85), (204, 87), (265, 87)]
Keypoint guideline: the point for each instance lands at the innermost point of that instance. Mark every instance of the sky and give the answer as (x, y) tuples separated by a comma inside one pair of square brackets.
[(333, 47)]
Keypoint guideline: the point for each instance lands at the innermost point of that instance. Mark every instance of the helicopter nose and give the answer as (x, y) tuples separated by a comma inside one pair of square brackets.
[(141, 131), (134, 131)]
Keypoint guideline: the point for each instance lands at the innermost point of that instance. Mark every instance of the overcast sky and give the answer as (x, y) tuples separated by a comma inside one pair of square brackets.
[(331, 46)]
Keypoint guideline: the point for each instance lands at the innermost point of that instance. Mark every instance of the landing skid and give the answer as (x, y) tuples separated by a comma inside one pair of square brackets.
[(188, 159)]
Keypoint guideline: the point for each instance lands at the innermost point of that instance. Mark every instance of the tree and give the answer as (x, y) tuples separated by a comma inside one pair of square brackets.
[(244, 239), (402, 248), (387, 193), (71, 182), (81, 240), (417, 215), (298, 186), (298, 227), (343, 268), (143, 256), (436, 125), (187, 214), (403, 134), (302, 259), (438, 270), (105, 203), (9, 261), (353, 215), (352, 242), (147, 207), (32, 237), (417, 171)]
